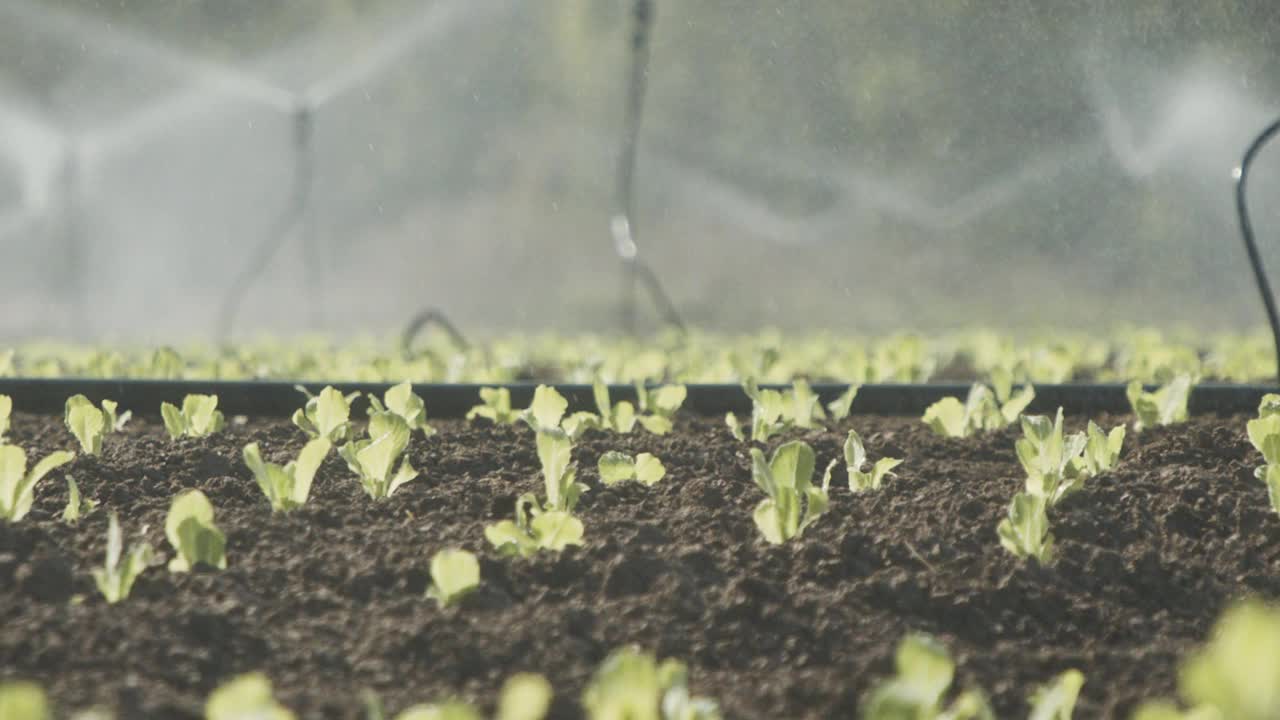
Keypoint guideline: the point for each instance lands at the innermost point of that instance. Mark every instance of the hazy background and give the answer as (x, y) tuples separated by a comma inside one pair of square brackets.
[(864, 166)]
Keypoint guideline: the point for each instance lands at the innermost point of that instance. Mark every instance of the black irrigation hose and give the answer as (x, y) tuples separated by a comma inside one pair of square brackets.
[(1250, 244), (424, 319), (284, 228), (623, 226), (271, 398)]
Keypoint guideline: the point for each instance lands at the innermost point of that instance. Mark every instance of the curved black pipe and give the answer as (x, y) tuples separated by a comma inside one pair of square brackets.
[(1246, 230), (425, 318), (284, 228), (623, 226)]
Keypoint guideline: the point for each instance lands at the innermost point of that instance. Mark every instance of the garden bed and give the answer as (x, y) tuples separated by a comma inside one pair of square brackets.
[(328, 600)]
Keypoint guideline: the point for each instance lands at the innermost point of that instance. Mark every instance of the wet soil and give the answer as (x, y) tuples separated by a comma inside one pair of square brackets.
[(328, 600)]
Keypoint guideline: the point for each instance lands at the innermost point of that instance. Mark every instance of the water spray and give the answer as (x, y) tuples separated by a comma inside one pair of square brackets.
[(623, 226), (1246, 231)]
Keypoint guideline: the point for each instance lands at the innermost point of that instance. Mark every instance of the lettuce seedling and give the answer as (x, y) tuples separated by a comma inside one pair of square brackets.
[(1165, 406), (559, 474), (982, 410), (735, 427), (787, 478), (1051, 459), (6, 409), (1235, 675), (658, 406), (76, 506), (855, 456), (633, 685), (373, 460), (805, 411), (246, 697), (190, 529), (327, 415), (495, 406), (1102, 451), (524, 696), (768, 410), (545, 410), (1264, 434), (89, 424), (17, 486), (199, 417), (401, 400), (454, 574), (115, 579), (534, 529), (1056, 700), (22, 700), (287, 487), (620, 417), (842, 405), (1025, 532), (617, 467), (924, 671), (166, 364)]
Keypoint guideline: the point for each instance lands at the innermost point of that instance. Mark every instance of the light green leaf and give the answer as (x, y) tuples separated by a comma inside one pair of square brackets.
[(86, 423), (616, 467), (1025, 532), (656, 424), (649, 469), (246, 697), (947, 418), (555, 530), (6, 409), (1238, 671), (735, 427), (20, 700), (547, 408), (841, 406), (524, 696), (191, 531), (77, 506), (1057, 700), (454, 573)]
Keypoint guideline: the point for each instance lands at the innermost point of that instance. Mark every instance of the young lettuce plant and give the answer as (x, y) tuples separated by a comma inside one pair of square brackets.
[(842, 405), (658, 406), (1264, 434), (1235, 675), (287, 487), (327, 415), (620, 417), (454, 574), (618, 467), (77, 506), (198, 417), (1165, 406), (1056, 700), (1052, 460), (6, 409), (982, 410), (1025, 532), (524, 696), (924, 671), (633, 685), (1102, 450), (559, 473), (534, 529), (89, 424), (373, 460), (768, 411), (855, 457), (793, 503), (115, 578), (401, 400), (17, 485), (22, 700), (495, 407), (246, 697), (190, 530)]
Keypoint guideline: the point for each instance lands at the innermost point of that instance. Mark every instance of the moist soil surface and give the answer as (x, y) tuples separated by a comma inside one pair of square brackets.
[(328, 600)]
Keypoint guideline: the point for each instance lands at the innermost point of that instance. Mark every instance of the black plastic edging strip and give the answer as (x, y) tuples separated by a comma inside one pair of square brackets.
[(272, 398)]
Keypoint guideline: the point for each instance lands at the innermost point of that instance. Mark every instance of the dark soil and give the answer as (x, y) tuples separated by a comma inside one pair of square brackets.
[(329, 600)]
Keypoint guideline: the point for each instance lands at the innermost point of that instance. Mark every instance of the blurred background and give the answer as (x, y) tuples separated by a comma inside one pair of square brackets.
[(853, 165)]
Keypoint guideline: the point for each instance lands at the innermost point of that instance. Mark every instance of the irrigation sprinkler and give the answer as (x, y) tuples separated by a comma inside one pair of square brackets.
[(623, 223), (290, 222), (1241, 174)]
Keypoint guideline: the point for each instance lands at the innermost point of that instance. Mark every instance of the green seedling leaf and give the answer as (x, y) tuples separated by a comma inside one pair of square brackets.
[(580, 422), (454, 574), (495, 407), (855, 457), (247, 697), (924, 672), (115, 578), (448, 710), (167, 364), (768, 411), (21, 700), (793, 503), (373, 460), (546, 410), (1102, 451), (1025, 532), (805, 410), (618, 467), (524, 696), (841, 406), (17, 486), (401, 400), (115, 421), (558, 472), (632, 685), (1057, 699), (327, 415), (287, 487), (191, 531), (947, 418), (198, 417), (735, 427), (1237, 673), (534, 530), (87, 423), (1165, 710), (77, 506), (1053, 461), (1165, 406)]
